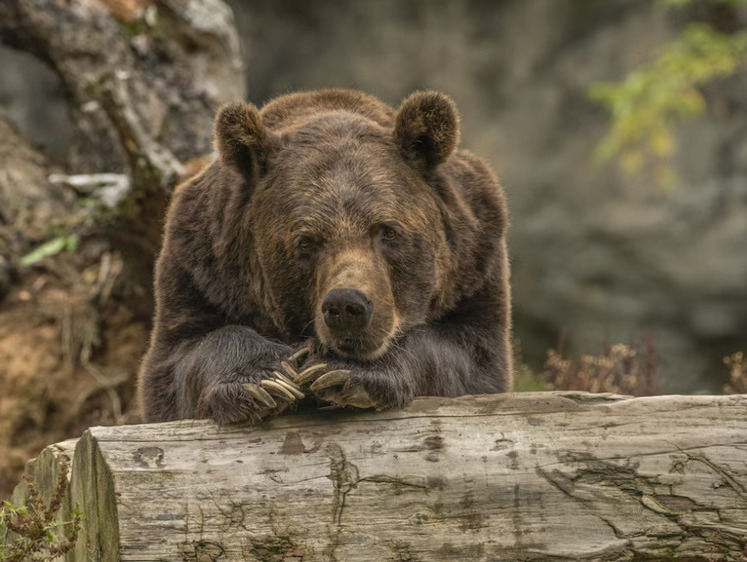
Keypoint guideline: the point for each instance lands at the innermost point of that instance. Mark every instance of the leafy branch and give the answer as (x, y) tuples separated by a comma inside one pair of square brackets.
[(651, 100)]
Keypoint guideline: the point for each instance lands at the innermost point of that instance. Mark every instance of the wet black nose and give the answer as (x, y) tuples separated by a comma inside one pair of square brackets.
[(346, 309)]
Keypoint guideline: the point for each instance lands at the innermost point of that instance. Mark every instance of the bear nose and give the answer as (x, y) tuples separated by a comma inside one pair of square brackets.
[(346, 309)]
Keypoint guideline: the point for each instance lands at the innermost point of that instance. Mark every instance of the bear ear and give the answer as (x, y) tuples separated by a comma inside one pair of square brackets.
[(427, 128), (241, 138)]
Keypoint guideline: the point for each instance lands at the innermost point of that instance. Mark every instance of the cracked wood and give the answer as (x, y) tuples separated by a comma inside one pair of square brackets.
[(527, 476)]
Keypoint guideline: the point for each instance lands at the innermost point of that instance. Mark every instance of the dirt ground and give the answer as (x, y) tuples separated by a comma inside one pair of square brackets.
[(72, 325), (69, 352)]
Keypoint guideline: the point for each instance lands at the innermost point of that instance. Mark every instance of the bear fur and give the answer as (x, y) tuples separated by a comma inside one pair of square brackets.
[(337, 224)]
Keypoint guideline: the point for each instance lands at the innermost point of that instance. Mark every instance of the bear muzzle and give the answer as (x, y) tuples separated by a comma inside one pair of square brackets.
[(348, 324), (355, 314), (346, 310)]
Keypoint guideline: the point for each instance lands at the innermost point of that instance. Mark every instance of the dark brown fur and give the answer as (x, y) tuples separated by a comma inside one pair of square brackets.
[(323, 190)]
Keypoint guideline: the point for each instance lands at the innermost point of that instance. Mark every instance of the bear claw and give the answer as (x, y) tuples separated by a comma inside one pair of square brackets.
[(289, 385), (261, 395), (299, 356), (283, 378), (356, 397), (310, 374), (278, 388), (333, 378), (289, 369)]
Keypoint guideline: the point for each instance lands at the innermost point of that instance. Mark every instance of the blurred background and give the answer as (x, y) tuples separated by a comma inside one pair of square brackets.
[(618, 129)]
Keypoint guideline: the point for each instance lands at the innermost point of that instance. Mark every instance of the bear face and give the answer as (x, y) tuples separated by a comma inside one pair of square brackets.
[(354, 224), (344, 205), (337, 248)]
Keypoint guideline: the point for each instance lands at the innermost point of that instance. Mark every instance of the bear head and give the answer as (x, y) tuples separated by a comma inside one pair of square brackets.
[(344, 220)]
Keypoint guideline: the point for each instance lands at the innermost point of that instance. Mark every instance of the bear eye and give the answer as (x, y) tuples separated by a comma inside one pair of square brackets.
[(388, 233), (305, 244)]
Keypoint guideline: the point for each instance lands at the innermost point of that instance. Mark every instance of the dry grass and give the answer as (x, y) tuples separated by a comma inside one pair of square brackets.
[(737, 364), (621, 369)]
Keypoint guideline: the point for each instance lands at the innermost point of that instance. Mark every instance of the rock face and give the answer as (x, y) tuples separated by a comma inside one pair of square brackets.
[(596, 256)]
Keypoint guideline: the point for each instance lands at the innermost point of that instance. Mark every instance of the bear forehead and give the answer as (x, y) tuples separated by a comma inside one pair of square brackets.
[(347, 190), (342, 168), (343, 156), (359, 189)]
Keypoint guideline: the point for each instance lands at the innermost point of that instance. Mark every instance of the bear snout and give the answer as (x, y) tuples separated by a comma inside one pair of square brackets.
[(354, 308), (346, 310)]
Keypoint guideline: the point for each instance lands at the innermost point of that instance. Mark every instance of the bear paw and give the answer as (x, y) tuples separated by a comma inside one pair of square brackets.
[(233, 402), (336, 387)]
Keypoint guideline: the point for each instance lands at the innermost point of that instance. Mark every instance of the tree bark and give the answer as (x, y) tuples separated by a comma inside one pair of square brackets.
[(143, 78), (177, 59), (535, 476)]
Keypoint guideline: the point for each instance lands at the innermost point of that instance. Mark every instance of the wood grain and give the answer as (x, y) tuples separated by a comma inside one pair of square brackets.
[(529, 476)]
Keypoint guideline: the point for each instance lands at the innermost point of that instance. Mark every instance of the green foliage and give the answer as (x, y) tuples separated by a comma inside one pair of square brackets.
[(524, 379), (646, 105), (68, 243), (38, 535), (527, 381)]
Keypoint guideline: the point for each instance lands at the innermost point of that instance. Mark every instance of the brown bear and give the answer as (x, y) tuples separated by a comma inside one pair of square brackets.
[(336, 225)]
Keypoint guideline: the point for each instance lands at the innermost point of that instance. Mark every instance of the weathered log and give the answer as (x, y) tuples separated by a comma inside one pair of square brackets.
[(555, 476)]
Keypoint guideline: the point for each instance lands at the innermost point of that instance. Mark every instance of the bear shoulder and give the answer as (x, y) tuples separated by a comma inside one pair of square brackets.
[(480, 188)]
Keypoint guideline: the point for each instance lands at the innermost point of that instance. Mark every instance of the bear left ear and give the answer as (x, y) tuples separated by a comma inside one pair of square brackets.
[(427, 128), (241, 138)]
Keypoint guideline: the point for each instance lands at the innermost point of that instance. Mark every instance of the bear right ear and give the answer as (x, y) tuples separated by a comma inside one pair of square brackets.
[(427, 129), (241, 138)]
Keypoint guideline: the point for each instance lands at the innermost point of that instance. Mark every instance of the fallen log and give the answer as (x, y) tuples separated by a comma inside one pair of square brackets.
[(549, 475)]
